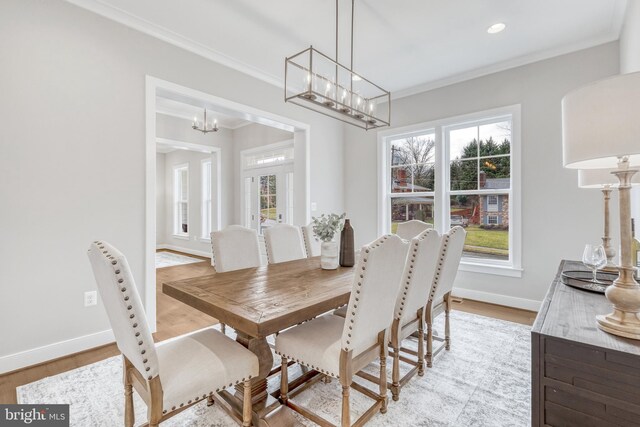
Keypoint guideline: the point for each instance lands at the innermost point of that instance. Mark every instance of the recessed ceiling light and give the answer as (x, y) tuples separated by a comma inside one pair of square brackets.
[(496, 28)]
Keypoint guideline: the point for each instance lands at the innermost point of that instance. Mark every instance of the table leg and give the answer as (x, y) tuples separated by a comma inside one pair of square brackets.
[(259, 347), (267, 410)]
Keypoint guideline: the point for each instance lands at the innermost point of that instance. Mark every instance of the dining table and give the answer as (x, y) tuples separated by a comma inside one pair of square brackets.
[(258, 303)]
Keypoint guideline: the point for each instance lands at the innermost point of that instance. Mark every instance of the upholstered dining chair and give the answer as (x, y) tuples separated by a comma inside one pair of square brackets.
[(174, 374), (416, 283), (234, 248), (284, 243), (311, 244), (339, 347), (440, 294), (410, 229)]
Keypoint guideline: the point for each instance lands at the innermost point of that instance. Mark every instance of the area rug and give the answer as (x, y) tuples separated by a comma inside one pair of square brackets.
[(484, 380), (169, 259)]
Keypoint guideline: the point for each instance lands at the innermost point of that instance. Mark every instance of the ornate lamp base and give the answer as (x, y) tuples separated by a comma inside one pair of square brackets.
[(622, 324), (624, 294)]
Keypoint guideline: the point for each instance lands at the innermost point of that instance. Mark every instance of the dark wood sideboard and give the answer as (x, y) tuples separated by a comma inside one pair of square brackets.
[(581, 376)]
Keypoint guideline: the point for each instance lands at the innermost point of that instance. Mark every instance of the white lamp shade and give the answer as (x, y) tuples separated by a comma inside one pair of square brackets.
[(601, 122), (598, 178)]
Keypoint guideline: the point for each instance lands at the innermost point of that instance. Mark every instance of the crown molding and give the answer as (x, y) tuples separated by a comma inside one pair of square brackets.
[(125, 18), (507, 65)]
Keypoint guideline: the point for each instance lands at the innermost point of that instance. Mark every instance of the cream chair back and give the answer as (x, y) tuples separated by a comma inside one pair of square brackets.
[(235, 247), (448, 262), (410, 229), (284, 243), (311, 244), (124, 307), (375, 289), (419, 271)]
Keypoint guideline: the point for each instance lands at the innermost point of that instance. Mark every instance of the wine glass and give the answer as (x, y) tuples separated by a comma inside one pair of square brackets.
[(594, 258)]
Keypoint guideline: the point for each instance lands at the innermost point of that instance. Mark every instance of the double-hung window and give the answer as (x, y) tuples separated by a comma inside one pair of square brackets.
[(460, 171), (181, 200), (412, 178), (206, 199)]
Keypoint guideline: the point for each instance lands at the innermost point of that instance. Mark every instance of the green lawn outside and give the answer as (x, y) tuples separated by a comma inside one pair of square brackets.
[(493, 242), (269, 213), (496, 239)]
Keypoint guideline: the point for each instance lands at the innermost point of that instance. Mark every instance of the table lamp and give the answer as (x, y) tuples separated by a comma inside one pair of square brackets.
[(600, 130), (605, 180)]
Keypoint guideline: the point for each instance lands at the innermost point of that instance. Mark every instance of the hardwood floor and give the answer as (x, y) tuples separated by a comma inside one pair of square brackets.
[(175, 318)]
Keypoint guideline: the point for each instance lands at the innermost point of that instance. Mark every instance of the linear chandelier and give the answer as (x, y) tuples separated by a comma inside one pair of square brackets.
[(206, 128), (315, 81)]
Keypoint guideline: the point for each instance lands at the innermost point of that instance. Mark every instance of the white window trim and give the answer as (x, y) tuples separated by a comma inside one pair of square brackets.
[(203, 199), (177, 233), (512, 268)]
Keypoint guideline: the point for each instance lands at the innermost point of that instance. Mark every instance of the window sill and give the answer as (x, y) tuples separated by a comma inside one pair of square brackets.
[(497, 270), (180, 236)]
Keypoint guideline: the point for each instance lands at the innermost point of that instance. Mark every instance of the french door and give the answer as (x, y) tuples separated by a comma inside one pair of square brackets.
[(268, 197)]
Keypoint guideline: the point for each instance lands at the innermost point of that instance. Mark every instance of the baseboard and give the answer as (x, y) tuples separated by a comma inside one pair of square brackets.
[(185, 250), (515, 302), (48, 352)]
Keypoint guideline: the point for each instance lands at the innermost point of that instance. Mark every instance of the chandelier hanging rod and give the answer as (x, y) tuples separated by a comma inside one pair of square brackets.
[(322, 84)]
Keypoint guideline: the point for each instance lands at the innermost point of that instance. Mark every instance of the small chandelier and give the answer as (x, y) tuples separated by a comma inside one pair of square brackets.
[(205, 126), (315, 81)]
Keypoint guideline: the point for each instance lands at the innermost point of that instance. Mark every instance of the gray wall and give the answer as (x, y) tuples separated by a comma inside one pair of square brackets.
[(558, 218), (72, 159), (630, 62), (630, 39)]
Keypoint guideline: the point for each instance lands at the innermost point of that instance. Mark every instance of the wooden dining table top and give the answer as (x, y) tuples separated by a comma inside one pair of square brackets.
[(264, 300)]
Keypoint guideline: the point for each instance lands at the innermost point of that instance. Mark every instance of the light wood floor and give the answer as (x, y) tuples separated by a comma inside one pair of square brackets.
[(175, 318)]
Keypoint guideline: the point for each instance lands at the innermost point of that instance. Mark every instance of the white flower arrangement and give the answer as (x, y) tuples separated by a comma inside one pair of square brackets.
[(326, 226)]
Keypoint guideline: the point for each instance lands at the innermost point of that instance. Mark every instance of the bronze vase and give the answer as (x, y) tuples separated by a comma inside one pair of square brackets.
[(347, 249)]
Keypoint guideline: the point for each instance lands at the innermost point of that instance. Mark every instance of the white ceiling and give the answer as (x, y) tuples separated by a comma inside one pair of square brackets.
[(404, 46)]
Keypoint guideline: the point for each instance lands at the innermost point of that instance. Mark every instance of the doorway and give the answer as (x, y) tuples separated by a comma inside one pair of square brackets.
[(283, 197), (268, 186)]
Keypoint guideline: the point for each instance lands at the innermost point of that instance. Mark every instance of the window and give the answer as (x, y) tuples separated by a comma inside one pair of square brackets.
[(268, 202), (461, 171), (479, 156), (181, 200), (206, 199), (412, 178)]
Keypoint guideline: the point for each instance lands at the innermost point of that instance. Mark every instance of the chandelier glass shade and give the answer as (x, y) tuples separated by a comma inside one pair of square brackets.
[(316, 81)]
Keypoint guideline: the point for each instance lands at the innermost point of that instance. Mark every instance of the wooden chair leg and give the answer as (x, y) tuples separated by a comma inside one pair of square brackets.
[(284, 381), (129, 414), (155, 406), (210, 401), (395, 374), (447, 330), (246, 404), (346, 411), (429, 338), (383, 376), (421, 345)]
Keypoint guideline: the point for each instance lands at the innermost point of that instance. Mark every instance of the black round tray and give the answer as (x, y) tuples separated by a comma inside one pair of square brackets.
[(581, 279)]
